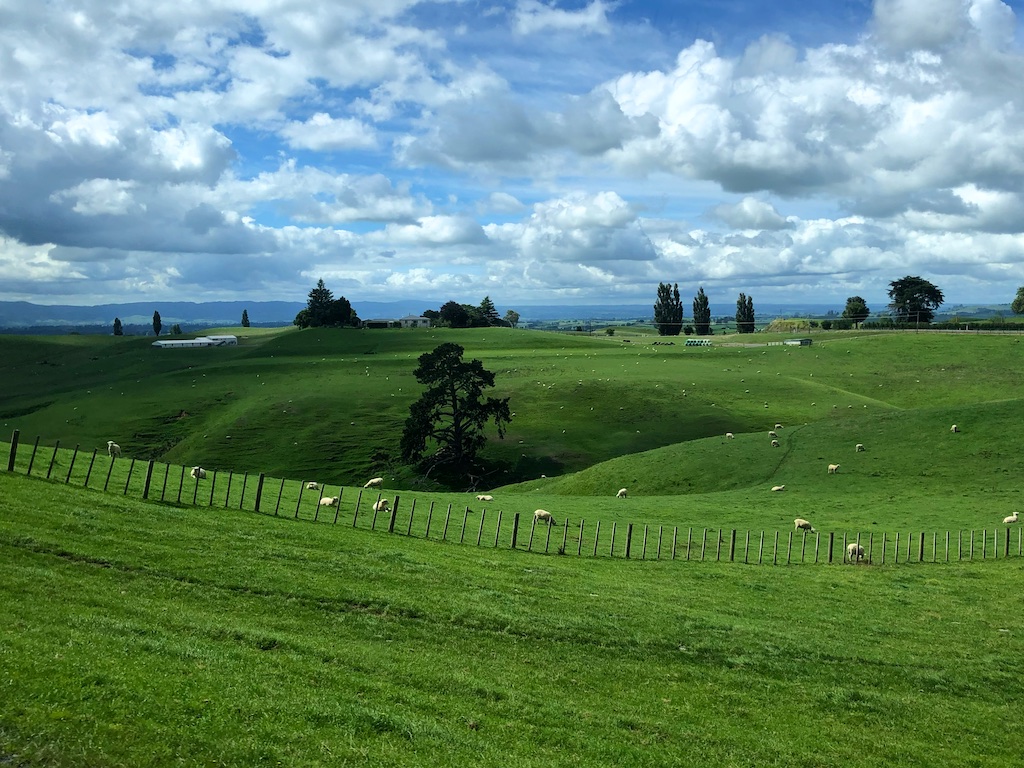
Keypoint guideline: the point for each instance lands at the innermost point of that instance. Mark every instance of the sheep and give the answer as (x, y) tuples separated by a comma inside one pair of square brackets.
[(729, 436), (374, 482), (772, 433), (778, 426), (954, 428), (801, 524), (854, 552), (859, 448), (623, 492), (329, 501), (381, 506), (833, 468), (198, 473), (113, 449), (1010, 518), (484, 497), (775, 444), (542, 515), (778, 487), (312, 485)]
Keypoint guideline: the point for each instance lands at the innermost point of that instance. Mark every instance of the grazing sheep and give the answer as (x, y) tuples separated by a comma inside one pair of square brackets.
[(854, 552), (374, 482), (1011, 518), (778, 487), (380, 506), (113, 449), (729, 436), (329, 501), (775, 443), (859, 448), (833, 468), (772, 433), (623, 492), (954, 428), (543, 516), (778, 426), (485, 497), (198, 473), (312, 486), (801, 524)]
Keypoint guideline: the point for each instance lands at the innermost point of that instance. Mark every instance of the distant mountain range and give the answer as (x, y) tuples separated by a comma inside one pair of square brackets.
[(21, 315)]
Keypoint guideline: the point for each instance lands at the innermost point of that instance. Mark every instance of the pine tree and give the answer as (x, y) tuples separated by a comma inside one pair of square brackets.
[(489, 312)]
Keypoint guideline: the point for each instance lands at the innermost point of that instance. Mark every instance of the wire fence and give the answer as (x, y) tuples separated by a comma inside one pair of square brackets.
[(370, 510)]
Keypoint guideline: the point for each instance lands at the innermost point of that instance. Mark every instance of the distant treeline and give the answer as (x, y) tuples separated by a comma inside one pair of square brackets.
[(130, 329)]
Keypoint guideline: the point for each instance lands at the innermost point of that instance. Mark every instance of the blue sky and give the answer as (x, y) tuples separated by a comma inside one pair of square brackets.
[(533, 151)]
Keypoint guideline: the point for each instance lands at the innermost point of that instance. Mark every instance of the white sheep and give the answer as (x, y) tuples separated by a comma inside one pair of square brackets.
[(113, 449), (833, 468), (374, 482), (801, 524), (329, 501), (729, 436), (854, 552), (198, 473), (623, 492), (954, 428), (778, 487), (312, 485), (484, 497), (772, 433), (380, 506), (543, 516), (1010, 518), (778, 426), (859, 448), (775, 444)]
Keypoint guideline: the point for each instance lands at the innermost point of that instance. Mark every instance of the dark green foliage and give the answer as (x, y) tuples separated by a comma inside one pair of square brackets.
[(245, 318), (176, 329), (489, 312), (826, 325), (914, 300), (1018, 303), (668, 310), (701, 313), (118, 330), (451, 413), (323, 310), (745, 314), (856, 310), (157, 325), (512, 317)]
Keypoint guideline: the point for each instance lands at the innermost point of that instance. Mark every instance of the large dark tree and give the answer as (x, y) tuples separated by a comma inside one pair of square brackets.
[(118, 330), (322, 309), (745, 314), (856, 310), (914, 300), (451, 414), (701, 313), (454, 315), (489, 312), (157, 324), (668, 310), (245, 318), (1018, 303)]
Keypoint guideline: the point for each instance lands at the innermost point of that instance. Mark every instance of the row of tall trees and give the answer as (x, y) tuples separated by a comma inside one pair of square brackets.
[(668, 312)]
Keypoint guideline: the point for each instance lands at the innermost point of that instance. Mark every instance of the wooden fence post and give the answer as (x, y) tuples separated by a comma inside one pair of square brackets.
[(597, 536), (732, 546), (611, 549), (167, 471), (579, 541), (14, 450), (661, 531), (871, 544), (883, 548), (213, 487), (32, 458), (746, 548), (88, 472), (718, 548), (1006, 550), (373, 520), (775, 550), (896, 550), (53, 458), (302, 486), (337, 507), (241, 499), (149, 480), (181, 483), (497, 530), (259, 491), (675, 534), (465, 518), (565, 535), (480, 529), (430, 516), (412, 514), (129, 480), (547, 537), (355, 515), (515, 530), (920, 548), (789, 549), (703, 544), (447, 517), (689, 538), (227, 494), (280, 493), (394, 514), (760, 548), (71, 466), (831, 544), (643, 550), (629, 538), (195, 491)]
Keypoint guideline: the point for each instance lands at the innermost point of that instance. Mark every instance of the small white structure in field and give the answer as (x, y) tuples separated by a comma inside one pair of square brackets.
[(225, 340)]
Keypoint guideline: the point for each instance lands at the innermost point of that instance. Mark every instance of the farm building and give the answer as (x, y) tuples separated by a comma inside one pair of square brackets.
[(199, 341), (409, 321)]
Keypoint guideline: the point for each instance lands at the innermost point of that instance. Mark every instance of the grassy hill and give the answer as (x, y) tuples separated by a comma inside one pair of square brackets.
[(136, 633)]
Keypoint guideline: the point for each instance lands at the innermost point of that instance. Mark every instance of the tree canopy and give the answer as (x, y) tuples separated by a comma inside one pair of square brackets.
[(322, 310), (451, 414), (668, 310), (914, 300), (856, 310), (245, 318), (1018, 303), (701, 313), (157, 324), (512, 317), (118, 329), (745, 314)]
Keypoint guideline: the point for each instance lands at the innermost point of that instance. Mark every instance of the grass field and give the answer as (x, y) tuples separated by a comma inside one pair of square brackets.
[(137, 633)]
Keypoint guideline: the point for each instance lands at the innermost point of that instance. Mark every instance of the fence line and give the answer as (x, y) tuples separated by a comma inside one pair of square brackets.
[(493, 530)]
